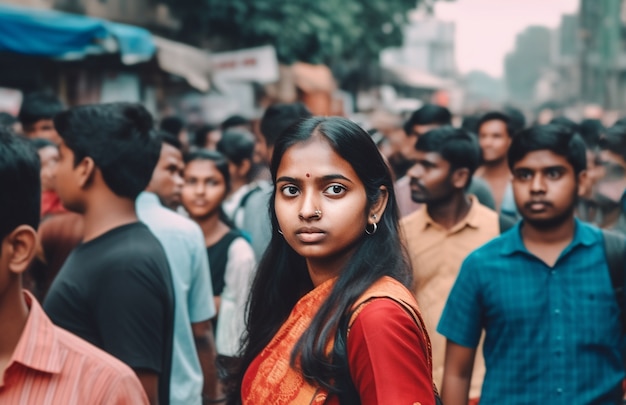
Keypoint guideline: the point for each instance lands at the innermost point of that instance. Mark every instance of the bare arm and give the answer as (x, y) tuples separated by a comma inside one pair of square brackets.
[(217, 301), (457, 374), (150, 382), (205, 347)]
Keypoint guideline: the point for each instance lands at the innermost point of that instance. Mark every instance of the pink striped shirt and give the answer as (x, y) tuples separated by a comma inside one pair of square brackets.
[(51, 366)]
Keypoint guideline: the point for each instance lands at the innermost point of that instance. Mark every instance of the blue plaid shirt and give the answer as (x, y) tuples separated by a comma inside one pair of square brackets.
[(552, 334)]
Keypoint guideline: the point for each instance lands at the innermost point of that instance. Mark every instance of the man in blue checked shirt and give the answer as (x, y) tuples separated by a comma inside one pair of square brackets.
[(541, 292)]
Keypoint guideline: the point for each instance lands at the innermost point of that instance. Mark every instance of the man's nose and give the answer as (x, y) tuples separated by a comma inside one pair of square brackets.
[(415, 171), (538, 184)]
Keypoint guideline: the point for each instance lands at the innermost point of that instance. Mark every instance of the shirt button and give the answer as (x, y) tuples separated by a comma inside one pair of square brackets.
[(559, 391), (557, 311), (553, 272), (559, 338)]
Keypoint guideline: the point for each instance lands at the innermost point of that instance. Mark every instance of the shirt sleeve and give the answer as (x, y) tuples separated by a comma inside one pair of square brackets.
[(126, 390), (131, 313), (388, 356), (200, 301), (238, 278), (461, 320)]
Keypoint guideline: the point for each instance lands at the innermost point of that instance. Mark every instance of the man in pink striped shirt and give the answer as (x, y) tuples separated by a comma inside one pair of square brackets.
[(41, 363)]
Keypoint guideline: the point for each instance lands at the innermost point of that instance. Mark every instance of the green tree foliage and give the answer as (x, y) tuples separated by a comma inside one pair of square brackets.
[(314, 31)]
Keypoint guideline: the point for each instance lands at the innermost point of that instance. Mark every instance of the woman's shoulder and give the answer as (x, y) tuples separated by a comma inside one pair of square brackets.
[(240, 248), (381, 310), (386, 294), (387, 287)]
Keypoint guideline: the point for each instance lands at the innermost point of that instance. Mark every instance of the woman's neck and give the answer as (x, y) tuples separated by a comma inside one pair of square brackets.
[(212, 227), (323, 269)]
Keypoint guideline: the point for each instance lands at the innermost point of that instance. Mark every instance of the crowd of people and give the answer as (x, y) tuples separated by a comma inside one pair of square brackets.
[(298, 259)]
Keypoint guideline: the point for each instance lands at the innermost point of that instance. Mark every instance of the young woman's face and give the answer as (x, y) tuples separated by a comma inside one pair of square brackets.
[(204, 188), (320, 202)]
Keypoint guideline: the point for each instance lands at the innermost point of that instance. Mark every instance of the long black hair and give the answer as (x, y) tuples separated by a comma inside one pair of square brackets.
[(282, 277)]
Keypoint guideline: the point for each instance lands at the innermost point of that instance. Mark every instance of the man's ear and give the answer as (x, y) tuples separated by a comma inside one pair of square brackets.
[(86, 170), (378, 208), (582, 183), (20, 245), (460, 178), (244, 168)]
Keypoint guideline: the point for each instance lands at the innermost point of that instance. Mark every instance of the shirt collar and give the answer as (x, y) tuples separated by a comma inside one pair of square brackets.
[(147, 199), (513, 242), (472, 219), (38, 347)]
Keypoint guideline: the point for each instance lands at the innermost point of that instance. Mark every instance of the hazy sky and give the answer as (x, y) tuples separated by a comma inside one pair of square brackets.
[(486, 29)]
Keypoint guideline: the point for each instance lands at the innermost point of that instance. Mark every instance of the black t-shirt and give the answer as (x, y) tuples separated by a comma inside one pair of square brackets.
[(116, 292), (218, 258)]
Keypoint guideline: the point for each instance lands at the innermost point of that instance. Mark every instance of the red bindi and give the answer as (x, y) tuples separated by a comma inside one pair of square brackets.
[(308, 175)]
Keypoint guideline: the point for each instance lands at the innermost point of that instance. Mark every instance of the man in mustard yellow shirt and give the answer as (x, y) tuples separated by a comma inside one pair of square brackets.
[(449, 226)]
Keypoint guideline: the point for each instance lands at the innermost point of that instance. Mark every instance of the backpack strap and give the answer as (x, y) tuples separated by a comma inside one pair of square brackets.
[(242, 205), (615, 251)]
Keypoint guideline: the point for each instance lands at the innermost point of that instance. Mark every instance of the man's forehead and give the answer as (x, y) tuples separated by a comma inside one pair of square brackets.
[(542, 159), (426, 155)]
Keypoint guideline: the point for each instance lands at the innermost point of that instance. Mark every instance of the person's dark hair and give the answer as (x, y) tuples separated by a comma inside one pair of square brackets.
[(6, 119), (237, 145), (517, 118), (200, 136), (567, 123), (554, 138), (164, 137), (39, 106), (278, 117), (40, 143), (120, 140), (457, 146), (470, 123), (234, 121), (428, 114), (497, 116), (614, 140), (591, 130), (20, 181), (282, 277), (172, 125)]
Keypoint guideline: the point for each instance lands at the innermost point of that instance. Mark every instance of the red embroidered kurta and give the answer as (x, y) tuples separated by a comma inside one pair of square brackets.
[(388, 353)]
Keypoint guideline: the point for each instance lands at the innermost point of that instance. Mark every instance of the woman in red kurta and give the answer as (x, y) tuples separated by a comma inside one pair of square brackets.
[(330, 318)]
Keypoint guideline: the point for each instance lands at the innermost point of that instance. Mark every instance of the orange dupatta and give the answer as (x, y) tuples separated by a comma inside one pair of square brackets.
[(270, 379)]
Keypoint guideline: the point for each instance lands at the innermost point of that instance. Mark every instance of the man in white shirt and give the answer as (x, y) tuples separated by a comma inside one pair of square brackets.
[(194, 375)]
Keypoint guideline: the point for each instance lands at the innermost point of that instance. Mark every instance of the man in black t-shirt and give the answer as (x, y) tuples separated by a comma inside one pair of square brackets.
[(115, 289)]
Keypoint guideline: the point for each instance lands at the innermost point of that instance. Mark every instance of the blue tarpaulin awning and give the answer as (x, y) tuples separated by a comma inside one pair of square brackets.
[(65, 36)]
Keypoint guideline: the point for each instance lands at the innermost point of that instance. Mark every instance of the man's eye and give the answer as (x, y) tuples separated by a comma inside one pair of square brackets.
[(553, 174)]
